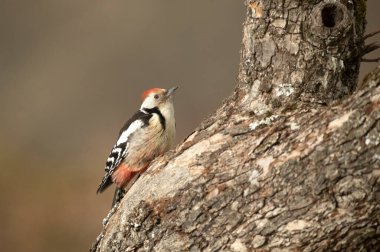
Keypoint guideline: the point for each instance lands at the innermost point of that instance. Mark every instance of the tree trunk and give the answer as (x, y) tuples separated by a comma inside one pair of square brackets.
[(291, 161)]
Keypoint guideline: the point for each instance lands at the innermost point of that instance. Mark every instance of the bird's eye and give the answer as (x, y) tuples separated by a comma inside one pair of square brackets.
[(156, 96)]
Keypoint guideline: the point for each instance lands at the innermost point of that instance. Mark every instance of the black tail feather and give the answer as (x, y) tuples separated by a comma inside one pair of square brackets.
[(119, 194)]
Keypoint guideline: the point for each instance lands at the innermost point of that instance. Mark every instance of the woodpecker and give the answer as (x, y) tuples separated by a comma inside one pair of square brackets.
[(150, 132)]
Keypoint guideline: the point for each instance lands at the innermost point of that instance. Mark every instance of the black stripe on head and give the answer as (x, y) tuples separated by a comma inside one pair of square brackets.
[(139, 115), (155, 110)]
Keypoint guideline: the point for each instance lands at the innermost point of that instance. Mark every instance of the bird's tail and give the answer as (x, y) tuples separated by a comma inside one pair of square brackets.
[(119, 194)]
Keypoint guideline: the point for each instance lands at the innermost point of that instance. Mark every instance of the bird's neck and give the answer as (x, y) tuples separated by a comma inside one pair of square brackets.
[(165, 110)]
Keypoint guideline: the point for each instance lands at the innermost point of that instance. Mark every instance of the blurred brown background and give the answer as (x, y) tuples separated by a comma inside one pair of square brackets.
[(71, 73)]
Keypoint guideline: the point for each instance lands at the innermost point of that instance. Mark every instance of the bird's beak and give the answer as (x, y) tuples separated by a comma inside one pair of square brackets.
[(171, 91)]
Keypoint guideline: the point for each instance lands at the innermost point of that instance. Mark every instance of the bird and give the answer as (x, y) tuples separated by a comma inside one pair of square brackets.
[(149, 133)]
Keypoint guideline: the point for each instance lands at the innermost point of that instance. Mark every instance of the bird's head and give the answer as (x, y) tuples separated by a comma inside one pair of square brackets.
[(157, 97)]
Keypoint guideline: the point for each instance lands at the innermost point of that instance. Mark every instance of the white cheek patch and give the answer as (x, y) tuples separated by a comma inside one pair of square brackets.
[(131, 129), (149, 102)]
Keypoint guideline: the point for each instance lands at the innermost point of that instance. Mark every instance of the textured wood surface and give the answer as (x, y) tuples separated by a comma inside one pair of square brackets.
[(291, 160)]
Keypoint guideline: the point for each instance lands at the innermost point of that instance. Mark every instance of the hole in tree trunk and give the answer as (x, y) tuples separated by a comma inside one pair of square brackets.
[(331, 15)]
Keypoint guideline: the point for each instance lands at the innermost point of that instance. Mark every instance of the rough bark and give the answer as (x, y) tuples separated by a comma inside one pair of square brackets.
[(291, 161)]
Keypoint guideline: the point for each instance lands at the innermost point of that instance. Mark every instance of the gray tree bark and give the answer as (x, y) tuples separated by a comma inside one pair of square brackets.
[(291, 160)]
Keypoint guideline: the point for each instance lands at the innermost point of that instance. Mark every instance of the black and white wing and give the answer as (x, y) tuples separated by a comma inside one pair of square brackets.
[(120, 149)]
